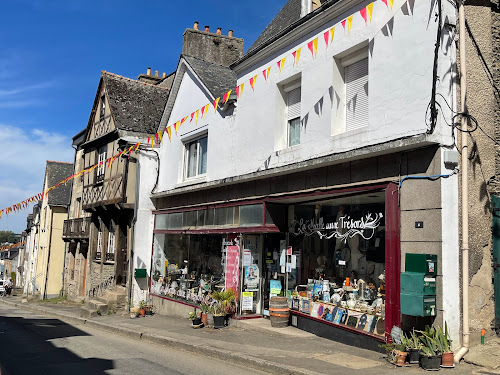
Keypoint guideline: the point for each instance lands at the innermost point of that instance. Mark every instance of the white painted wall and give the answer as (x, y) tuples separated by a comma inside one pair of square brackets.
[(400, 78), (143, 236)]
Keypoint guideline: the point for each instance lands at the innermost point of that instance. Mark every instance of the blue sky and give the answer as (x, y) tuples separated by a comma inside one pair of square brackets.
[(51, 56)]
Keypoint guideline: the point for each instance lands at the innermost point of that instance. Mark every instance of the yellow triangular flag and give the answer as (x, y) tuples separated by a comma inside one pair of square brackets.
[(369, 9), (216, 103), (349, 23), (391, 2), (268, 70), (161, 138), (332, 31), (282, 64), (315, 44), (197, 113), (297, 56)]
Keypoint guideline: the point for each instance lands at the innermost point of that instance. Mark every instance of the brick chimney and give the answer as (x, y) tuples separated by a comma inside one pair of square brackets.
[(212, 47), (148, 78)]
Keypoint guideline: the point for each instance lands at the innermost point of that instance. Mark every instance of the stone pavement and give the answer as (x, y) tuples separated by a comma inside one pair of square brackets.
[(487, 355), (253, 343)]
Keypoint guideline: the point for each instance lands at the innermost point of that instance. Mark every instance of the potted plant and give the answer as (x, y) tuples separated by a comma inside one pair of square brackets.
[(219, 314), (430, 358), (396, 353), (204, 310), (142, 310), (413, 345), (210, 314), (195, 319), (224, 307), (444, 344)]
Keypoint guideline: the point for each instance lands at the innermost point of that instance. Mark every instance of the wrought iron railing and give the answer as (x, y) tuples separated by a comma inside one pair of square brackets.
[(100, 289), (76, 228)]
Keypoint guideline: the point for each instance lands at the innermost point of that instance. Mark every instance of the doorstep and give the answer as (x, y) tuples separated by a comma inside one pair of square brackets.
[(263, 325)]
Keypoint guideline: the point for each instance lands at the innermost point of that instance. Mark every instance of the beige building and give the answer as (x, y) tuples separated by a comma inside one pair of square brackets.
[(53, 212)]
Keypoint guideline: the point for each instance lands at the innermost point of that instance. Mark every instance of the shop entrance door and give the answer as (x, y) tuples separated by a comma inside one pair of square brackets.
[(251, 271), (495, 230), (273, 277)]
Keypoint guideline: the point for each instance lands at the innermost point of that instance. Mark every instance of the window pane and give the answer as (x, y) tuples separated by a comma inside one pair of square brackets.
[(175, 220), (161, 222), (356, 82), (251, 215), (202, 167), (294, 132), (192, 157)]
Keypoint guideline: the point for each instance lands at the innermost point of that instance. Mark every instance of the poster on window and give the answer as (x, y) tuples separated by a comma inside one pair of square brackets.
[(252, 277), (232, 267)]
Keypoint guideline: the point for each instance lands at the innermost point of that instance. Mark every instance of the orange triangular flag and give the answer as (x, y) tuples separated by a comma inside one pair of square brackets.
[(252, 81), (169, 133), (296, 56)]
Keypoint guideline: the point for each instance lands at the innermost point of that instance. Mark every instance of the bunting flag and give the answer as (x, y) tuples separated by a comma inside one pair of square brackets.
[(197, 114), (152, 142), (313, 47), (369, 10), (130, 151), (138, 144), (364, 14), (156, 138), (184, 120), (252, 81), (192, 115), (216, 103), (239, 90), (296, 56), (326, 36), (226, 97), (169, 133), (332, 31), (265, 73), (281, 64), (160, 136), (204, 110), (349, 23), (388, 3), (176, 126)]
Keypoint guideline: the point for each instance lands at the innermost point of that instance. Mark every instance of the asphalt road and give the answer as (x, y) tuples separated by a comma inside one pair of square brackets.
[(35, 344)]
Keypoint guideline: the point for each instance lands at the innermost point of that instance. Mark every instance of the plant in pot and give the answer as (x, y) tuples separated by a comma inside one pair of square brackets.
[(219, 314), (226, 301), (396, 353), (195, 319), (142, 308), (413, 345), (444, 344), (430, 358), (204, 310)]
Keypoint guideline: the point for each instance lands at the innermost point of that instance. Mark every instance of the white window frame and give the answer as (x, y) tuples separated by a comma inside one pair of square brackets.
[(347, 62), (296, 113), (186, 157), (99, 242), (102, 153), (111, 242)]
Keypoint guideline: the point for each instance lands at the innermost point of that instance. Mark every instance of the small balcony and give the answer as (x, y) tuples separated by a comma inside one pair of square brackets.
[(76, 229)]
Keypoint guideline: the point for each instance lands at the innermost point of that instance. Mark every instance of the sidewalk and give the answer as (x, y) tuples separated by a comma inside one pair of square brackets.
[(252, 343)]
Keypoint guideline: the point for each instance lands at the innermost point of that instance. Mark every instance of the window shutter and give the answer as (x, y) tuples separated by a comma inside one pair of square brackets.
[(356, 79), (293, 103)]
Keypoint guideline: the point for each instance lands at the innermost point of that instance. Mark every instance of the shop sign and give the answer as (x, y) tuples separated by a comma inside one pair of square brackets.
[(345, 227), (232, 267)]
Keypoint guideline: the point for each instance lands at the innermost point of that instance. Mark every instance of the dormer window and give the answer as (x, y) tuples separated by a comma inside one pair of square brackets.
[(103, 107)]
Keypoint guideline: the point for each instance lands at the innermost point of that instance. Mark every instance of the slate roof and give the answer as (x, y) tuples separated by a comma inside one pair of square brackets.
[(289, 14), (55, 172), (217, 78), (136, 106)]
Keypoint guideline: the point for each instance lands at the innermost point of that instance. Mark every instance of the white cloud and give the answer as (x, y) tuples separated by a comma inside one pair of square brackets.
[(23, 156)]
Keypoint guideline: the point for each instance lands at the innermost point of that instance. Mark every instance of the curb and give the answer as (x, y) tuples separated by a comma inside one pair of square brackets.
[(239, 359)]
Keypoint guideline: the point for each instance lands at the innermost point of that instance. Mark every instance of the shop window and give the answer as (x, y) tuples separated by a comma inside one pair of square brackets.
[(251, 215), (196, 157)]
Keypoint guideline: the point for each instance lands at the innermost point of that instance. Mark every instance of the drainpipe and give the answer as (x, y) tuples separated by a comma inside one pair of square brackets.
[(465, 197), (132, 234)]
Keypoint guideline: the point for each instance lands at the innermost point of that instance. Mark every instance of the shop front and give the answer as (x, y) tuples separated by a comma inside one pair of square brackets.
[(334, 255)]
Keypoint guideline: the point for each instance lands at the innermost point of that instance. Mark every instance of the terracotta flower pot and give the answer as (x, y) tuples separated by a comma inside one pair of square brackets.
[(401, 358), (204, 319), (142, 312), (447, 360)]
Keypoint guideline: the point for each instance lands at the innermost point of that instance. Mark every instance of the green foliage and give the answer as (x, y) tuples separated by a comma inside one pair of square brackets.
[(224, 302), (204, 308), (411, 341), (8, 236), (13, 277), (443, 339), (55, 300), (192, 315)]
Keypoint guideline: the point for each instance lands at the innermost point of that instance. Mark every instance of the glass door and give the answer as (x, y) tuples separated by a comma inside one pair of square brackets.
[(274, 268), (251, 271)]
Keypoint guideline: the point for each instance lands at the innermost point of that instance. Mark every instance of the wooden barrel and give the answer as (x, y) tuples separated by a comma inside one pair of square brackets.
[(279, 312)]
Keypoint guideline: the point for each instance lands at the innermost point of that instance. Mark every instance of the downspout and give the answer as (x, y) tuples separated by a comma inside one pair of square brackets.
[(132, 234), (48, 254), (465, 197)]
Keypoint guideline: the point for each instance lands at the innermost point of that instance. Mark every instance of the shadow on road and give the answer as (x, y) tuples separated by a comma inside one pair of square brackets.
[(26, 348)]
